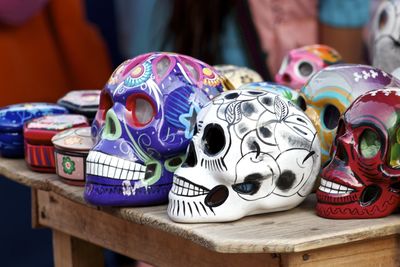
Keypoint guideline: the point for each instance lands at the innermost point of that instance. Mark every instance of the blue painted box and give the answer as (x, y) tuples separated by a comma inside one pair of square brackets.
[(12, 119)]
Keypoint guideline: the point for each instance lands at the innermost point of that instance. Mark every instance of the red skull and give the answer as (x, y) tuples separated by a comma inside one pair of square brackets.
[(362, 179)]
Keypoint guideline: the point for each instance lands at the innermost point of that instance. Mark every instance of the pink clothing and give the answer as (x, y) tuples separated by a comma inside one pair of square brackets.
[(16, 12), (283, 25)]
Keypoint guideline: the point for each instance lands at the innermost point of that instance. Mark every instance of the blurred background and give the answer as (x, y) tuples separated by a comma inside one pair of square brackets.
[(49, 47)]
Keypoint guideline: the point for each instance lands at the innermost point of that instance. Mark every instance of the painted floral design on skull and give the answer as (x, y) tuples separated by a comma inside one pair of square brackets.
[(362, 180), (145, 121), (253, 152), (237, 76), (281, 90), (331, 91), (301, 63)]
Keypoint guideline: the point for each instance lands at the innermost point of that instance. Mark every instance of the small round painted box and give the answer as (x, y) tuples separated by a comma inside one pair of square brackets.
[(71, 149), (12, 119), (84, 102), (39, 150)]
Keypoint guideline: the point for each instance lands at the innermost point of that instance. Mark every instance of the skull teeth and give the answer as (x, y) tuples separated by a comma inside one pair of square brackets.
[(334, 188), (100, 164), (183, 187)]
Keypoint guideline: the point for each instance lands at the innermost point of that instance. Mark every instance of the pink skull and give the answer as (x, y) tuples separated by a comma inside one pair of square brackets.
[(301, 63)]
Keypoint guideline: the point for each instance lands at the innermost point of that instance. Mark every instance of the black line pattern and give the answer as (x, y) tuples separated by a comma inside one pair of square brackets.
[(276, 111)]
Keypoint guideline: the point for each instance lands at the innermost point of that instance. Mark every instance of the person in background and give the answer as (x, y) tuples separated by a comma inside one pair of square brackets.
[(252, 33), (47, 48), (341, 26)]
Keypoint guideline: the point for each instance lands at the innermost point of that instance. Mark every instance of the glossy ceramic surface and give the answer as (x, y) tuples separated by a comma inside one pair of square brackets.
[(362, 180), (253, 152), (301, 63), (237, 76), (331, 91), (71, 149), (144, 124), (12, 119), (39, 150)]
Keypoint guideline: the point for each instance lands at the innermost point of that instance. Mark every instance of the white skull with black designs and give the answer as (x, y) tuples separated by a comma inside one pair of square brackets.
[(253, 152)]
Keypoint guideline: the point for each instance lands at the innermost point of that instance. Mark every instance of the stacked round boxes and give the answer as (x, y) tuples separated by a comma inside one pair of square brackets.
[(71, 149), (39, 150), (84, 102), (12, 119)]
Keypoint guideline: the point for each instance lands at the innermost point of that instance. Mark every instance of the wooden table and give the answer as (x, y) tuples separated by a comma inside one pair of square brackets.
[(293, 238)]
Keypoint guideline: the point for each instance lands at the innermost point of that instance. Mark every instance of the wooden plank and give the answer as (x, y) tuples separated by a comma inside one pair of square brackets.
[(378, 252), (135, 240), (16, 170), (34, 209), (69, 251), (275, 233)]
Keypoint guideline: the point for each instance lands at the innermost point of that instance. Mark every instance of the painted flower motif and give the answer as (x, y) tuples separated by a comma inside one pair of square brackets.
[(68, 165), (210, 78), (73, 140), (287, 94), (114, 79), (138, 75)]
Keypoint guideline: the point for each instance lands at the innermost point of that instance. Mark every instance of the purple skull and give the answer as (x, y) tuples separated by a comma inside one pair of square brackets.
[(146, 119)]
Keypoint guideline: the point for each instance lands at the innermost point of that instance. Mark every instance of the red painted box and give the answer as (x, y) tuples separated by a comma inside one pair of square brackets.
[(39, 150), (71, 149)]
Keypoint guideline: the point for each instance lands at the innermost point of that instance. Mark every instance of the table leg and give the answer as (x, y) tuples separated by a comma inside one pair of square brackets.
[(70, 251)]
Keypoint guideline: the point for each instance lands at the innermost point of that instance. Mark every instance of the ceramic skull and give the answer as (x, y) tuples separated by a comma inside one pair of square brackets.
[(301, 63), (237, 76), (254, 152), (362, 180), (331, 91), (385, 36), (145, 121), (281, 90)]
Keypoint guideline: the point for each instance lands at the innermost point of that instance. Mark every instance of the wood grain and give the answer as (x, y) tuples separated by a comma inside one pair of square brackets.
[(296, 230), (376, 252), (34, 209), (133, 240), (69, 251)]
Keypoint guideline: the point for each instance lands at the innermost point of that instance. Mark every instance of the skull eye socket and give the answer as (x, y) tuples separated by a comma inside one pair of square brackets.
[(247, 188), (305, 69), (174, 163), (301, 102), (142, 109), (192, 71), (331, 117), (370, 144), (383, 19), (105, 103), (162, 66), (213, 139)]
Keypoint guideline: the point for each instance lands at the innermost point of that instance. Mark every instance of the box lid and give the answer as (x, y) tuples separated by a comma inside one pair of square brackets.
[(76, 139), (81, 100), (41, 130), (13, 117)]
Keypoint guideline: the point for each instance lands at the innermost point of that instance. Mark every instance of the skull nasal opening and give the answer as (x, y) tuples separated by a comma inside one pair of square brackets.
[(191, 158), (341, 153), (112, 128)]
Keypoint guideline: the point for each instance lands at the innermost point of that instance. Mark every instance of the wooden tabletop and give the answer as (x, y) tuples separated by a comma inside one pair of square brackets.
[(296, 230)]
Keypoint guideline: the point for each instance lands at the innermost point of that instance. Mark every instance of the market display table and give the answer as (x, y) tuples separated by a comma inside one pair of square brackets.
[(292, 238)]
